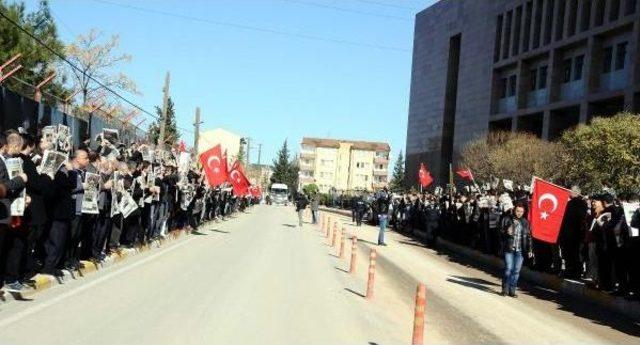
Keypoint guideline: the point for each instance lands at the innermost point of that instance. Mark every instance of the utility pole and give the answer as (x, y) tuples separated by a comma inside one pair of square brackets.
[(196, 134), (259, 152), (165, 104), (248, 151)]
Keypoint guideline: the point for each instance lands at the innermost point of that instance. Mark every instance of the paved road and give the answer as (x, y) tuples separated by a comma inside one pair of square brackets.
[(258, 279)]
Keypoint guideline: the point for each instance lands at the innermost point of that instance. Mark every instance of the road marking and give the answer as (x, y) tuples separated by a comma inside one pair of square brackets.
[(32, 310)]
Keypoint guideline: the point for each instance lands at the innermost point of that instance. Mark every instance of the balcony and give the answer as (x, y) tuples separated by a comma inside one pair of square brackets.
[(381, 160), (572, 90), (613, 81), (380, 172), (537, 98), (507, 105), (307, 154)]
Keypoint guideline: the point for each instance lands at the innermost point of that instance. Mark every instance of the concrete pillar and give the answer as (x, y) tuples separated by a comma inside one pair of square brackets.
[(567, 11), (554, 75), (554, 20), (546, 123), (532, 31), (581, 6), (592, 64), (634, 66), (584, 111), (543, 24), (505, 38), (523, 23), (522, 88)]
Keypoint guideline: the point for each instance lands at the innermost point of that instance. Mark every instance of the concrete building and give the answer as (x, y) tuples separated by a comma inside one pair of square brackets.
[(540, 66), (228, 141), (343, 164), (260, 175)]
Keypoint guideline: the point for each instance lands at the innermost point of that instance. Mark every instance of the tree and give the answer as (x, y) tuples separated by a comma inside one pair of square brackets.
[(310, 189), (37, 61), (241, 155), (98, 60), (285, 170), (397, 179), (605, 153), (171, 133), (513, 156)]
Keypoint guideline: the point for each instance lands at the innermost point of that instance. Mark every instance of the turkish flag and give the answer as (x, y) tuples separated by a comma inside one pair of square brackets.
[(255, 191), (465, 173), (214, 166), (238, 180), (424, 176), (548, 204)]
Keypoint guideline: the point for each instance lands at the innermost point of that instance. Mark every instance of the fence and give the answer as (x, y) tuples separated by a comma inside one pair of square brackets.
[(20, 111)]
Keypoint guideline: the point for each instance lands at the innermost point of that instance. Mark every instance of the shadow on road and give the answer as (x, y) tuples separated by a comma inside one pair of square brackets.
[(220, 231), (341, 269), (197, 233), (577, 307), (473, 285), (475, 280), (290, 225), (412, 243), (354, 292)]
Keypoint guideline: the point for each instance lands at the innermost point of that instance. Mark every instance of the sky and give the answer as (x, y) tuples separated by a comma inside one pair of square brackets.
[(266, 69)]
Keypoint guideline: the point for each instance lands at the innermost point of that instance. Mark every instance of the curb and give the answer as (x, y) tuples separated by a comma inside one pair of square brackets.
[(570, 288), (46, 281)]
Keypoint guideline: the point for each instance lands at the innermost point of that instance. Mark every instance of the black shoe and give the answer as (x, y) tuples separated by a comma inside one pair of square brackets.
[(513, 294), (382, 244)]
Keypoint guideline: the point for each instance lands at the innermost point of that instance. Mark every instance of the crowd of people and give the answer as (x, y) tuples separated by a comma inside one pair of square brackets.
[(93, 201), (598, 243)]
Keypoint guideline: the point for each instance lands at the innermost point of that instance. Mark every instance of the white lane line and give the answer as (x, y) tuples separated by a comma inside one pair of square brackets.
[(31, 310)]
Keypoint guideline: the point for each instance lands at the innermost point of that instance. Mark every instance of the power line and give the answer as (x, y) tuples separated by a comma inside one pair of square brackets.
[(342, 9), (63, 58), (255, 28)]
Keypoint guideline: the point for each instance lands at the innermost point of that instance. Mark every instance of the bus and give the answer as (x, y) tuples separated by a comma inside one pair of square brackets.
[(279, 194)]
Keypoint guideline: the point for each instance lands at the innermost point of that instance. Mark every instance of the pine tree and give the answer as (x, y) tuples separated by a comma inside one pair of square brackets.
[(171, 134), (285, 170), (397, 179)]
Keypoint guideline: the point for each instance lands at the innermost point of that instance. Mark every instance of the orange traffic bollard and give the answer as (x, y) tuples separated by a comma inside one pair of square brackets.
[(326, 233), (342, 244), (333, 237), (352, 266), (418, 317), (372, 274)]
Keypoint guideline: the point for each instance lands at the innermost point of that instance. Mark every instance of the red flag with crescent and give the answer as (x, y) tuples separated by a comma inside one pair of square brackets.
[(214, 165), (548, 203), (465, 174), (238, 180), (424, 176)]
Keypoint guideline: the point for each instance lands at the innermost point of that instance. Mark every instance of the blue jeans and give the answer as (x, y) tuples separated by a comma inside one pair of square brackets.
[(384, 219), (513, 264), (314, 216)]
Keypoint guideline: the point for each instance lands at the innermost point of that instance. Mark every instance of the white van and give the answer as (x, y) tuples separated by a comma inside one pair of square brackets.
[(279, 194)]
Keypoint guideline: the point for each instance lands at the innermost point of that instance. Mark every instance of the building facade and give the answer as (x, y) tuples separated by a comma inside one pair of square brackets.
[(343, 165), (540, 66)]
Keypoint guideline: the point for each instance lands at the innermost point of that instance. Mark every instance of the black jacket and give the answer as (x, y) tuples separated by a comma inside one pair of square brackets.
[(14, 188), (573, 223), (64, 208), (508, 240), (39, 188)]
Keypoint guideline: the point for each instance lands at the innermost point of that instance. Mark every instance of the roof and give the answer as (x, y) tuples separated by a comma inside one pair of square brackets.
[(356, 144)]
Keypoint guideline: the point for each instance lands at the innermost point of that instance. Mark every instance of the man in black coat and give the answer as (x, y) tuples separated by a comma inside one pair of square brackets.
[(572, 233), (10, 146)]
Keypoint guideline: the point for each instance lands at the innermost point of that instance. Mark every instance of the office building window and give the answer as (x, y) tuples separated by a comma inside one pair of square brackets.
[(607, 57), (630, 7), (533, 78), (615, 10), (512, 85), (542, 77), (621, 55), (578, 63), (503, 88), (566, 70)]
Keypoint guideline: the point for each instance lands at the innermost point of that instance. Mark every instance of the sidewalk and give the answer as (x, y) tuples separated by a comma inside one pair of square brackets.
[(45, 281), (405, 252)]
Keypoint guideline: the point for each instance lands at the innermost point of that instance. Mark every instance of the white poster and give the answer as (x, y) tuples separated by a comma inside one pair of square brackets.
[(90, 198), (629, 210), (508, 184), (51, 162), (127, 205), (14, 168)]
